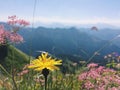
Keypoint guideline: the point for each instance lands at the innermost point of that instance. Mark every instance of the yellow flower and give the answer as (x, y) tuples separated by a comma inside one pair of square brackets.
[(45, 61)]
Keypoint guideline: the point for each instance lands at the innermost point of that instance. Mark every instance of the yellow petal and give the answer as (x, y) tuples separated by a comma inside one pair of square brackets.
[(45, 61), (39, 69)]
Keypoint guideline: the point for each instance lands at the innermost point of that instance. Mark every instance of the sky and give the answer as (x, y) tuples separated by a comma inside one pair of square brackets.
[(66, 12)]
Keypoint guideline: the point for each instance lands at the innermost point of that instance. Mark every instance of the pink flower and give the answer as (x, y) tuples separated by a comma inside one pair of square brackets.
[(23, 72), (82, 76), (100, 88), (99, 78), (113, 88), (12, 17), (3, 35), (13, 20), (89, 85), (93, 74), (22, 22), (12, 37), (100, 69), (15, 38), (92, 65)]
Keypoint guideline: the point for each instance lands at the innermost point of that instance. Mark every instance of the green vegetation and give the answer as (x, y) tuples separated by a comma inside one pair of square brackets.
[(72, 76), (10, 55)]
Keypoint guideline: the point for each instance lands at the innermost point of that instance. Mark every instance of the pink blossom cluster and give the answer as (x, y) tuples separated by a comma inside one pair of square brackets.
[(7, 36), (91, 65), (13, 20), (24, 71), (4, 35), (15, 37), (99, 78)]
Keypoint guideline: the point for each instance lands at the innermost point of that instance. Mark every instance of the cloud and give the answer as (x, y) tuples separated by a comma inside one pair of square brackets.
[(71, 21), (3, 18)]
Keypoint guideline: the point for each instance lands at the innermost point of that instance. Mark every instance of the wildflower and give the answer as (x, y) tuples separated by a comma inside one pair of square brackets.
[(100, 69), (105, 57), (98, 78), (39, 80), (43, 62), (3, 35), (82, 62), (23, 72), (82, 76), (74, 64), (118, 58), (93, 74), (118, 66), (7, 36), (13, 20), (92, 65), (109, 55), (15, 38), (89, 85), (67, 75), (22, 22)]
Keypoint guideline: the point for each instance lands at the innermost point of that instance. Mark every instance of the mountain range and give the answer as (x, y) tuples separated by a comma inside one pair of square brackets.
[(70, 42), (76, 43)]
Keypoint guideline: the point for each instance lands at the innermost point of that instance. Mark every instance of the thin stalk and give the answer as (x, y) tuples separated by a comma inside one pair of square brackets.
[(45, 82), (5, 70), (13, 79), (110, 41), (45, 72), (12, 68)]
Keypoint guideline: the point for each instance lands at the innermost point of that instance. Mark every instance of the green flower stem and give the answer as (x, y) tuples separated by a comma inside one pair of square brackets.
[(45, 72), (12, 70), (45, 83), (13, 79)]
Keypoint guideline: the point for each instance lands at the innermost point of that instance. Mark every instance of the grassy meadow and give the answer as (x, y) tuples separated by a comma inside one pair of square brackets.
[(19, 71)]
